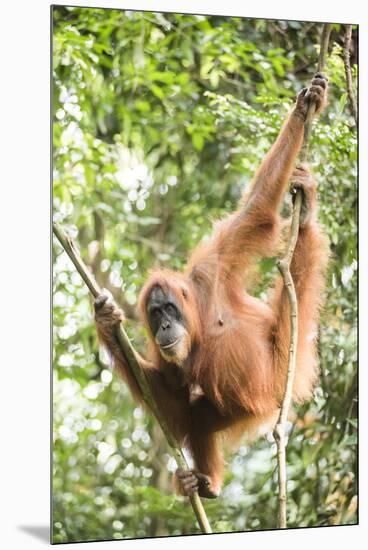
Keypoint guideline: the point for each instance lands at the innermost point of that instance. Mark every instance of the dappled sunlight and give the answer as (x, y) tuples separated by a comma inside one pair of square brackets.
[(160, 122)]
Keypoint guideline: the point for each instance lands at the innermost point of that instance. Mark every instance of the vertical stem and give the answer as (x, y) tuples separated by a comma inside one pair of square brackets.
[(279, 431), (349, 80), (284, 268), (325, 37)]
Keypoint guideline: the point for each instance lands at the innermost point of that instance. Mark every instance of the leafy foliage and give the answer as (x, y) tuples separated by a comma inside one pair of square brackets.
[(160, 121)]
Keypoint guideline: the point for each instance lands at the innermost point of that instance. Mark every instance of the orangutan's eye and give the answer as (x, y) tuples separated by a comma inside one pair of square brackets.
[(170, 309)]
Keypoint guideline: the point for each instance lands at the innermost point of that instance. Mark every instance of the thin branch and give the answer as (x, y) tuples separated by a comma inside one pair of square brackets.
[(279, 431), (284, 268), (322, 58), (349, 80), (133, 360), (69, 246), (310, 115)]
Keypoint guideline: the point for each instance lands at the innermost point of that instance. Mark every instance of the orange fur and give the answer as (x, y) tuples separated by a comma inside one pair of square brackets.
[(237, 346)]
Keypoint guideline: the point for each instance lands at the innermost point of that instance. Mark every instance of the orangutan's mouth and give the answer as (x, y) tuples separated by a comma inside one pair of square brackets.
[(168, 346)]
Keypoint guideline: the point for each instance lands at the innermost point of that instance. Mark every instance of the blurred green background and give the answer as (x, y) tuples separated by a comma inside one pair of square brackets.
[(159, 123)]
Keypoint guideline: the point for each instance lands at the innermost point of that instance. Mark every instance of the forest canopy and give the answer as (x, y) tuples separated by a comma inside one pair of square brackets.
[(159, 123)]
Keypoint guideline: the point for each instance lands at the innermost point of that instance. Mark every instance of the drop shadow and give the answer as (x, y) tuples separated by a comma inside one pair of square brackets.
[(40, 532)]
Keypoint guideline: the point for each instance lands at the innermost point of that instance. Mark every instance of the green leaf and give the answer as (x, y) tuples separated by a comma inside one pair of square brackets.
[(157, 91), (198, 141)]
